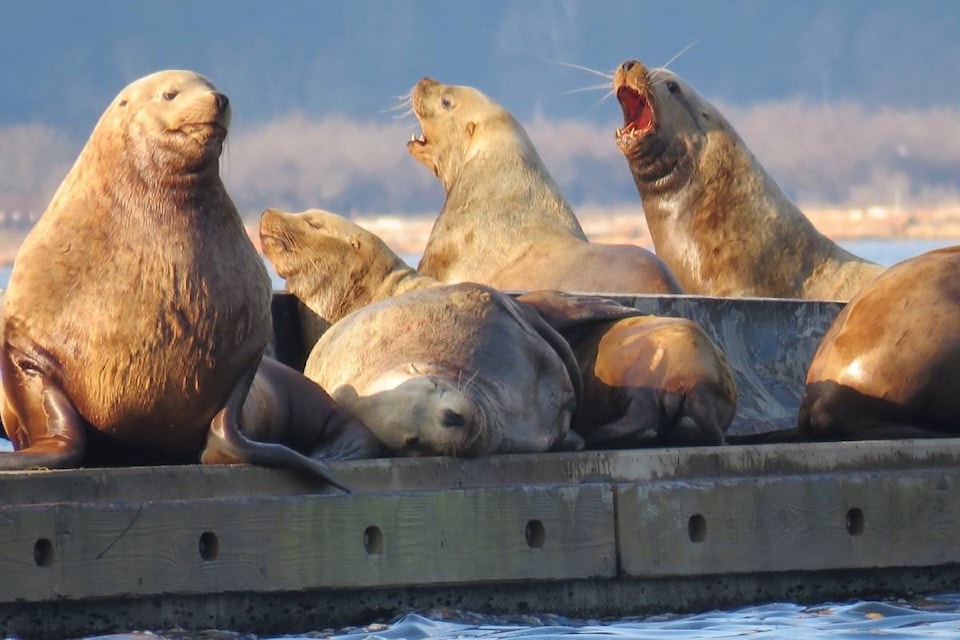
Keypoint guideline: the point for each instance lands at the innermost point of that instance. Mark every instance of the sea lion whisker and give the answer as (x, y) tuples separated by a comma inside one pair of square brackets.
[(595, 87), (603, 98), (666, 65), (602, 74), (464, 385), (402, 101)]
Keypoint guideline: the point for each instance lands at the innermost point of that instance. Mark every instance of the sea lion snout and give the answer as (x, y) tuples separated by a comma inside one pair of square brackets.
[(425, 83), (223, 102)]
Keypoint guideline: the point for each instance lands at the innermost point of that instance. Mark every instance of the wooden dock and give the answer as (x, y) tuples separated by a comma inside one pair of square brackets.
[(587, 535)]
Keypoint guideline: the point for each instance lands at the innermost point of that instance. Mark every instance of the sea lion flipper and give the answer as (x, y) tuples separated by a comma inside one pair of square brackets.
[(226, 443), (62, 442), (558, 343), (571, 442), (566, 311)]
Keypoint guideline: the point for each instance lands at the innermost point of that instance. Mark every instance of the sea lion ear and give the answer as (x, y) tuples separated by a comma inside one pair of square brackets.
[(471, 127), (355, 242)]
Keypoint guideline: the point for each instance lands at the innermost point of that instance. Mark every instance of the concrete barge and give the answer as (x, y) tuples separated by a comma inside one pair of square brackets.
[(587, 535)]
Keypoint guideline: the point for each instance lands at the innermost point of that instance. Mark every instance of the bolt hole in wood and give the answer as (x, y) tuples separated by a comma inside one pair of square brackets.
[(855, 522), (535, 533), (209, 546), (697, 528), (373, 541), (43, 552)]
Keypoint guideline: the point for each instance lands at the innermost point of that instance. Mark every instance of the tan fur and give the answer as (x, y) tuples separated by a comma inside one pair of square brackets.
[(717, 218), (888, 365), (332, 265), (647, 380), (505, 222), (457, 370), (138, 310)]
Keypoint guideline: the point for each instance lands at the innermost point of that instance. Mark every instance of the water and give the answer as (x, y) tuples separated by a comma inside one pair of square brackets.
[(932, 617)]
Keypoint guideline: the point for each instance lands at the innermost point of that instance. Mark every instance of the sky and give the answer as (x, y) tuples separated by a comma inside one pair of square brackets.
[(844, 101)]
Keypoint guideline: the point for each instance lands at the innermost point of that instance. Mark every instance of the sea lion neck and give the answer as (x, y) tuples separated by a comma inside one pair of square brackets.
[(474, 198), (661, 166)]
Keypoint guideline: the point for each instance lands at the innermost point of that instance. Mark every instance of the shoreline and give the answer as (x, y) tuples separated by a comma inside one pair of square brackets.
[(408, 233)]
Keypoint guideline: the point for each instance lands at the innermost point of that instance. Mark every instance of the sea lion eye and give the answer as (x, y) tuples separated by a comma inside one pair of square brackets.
[(453, 419), (169, 95), (673, 87), (445, 102)]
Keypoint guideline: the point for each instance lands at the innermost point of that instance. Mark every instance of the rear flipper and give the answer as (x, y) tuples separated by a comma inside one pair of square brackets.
[(226, 443), (286, 407), (831, 411), (45, 427)]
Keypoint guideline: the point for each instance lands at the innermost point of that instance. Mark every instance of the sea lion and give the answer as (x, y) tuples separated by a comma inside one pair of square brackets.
[(452, 370), (332, 265), (505, 222), (647, 380), (138, 309), (335, 267), (888, 366), (717, 218)]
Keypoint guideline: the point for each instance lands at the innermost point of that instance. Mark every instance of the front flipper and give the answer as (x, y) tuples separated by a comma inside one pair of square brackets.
[(39, 418), (226, 444)]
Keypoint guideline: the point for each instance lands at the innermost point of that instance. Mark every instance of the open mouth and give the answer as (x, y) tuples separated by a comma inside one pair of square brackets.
[(638, 117), (420, 140)]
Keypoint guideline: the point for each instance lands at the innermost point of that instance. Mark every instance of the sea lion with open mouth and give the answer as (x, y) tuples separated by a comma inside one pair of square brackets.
[(505, 222), (717, 218)]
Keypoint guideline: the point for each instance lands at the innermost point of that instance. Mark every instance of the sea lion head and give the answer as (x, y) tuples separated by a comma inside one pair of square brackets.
[(174, 120), (426, 414), (457, 123), (663, 117), (322, 254), (309, 241)]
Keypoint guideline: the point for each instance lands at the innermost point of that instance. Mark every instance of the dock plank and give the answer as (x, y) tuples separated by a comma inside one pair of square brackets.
[(793, 523), (267, 544)]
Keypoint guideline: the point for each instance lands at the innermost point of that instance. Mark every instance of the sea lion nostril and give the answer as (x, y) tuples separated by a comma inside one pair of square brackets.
[(222, 101), (628, 65), (411, 441), (453, 419)]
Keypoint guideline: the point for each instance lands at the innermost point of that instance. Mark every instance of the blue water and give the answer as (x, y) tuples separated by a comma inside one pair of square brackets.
[(932, 617)]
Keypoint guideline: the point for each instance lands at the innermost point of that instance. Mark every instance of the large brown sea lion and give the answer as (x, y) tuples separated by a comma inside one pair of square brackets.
[(452, 370), (717, 218), (647, 380), (889, 366), (505, 222), (138, 309)]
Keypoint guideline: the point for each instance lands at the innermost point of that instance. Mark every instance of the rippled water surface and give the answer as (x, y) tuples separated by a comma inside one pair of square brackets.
[(932, 617)]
